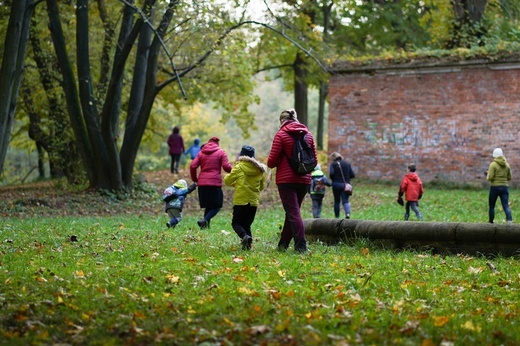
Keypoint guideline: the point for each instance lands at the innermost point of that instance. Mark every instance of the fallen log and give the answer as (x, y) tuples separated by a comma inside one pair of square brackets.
[(439, 237)]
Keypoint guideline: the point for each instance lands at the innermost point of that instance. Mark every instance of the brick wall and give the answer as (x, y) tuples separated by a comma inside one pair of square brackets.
[(447, 119)]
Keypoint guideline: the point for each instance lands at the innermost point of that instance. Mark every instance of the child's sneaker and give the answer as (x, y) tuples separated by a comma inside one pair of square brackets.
[(169, 225)]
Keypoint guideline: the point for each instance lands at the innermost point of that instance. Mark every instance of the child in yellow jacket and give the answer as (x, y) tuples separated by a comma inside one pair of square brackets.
[(248, 179)]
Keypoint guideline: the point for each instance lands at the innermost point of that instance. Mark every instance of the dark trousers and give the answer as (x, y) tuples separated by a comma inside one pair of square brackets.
[(292, 196), (174, 167), (243, 217), (501, 192), (340, 196), (317, 203)]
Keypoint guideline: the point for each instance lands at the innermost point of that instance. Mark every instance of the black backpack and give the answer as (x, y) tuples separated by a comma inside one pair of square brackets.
[(303, 160)]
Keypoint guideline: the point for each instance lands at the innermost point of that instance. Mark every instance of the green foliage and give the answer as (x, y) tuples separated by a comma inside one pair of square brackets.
[(128, 280)]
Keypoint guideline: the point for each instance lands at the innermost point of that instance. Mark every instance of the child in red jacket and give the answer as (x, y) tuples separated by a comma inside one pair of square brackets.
[(412, 188)]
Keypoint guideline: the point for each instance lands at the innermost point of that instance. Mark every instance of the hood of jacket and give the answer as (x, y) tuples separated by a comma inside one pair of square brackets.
[(501, 160), (294, 127), (412, 176), (251, 166), (317, 173), (210, 147)]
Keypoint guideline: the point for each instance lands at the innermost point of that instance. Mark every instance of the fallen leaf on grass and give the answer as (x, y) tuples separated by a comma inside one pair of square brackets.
[(237, 259), (257, 330), (409, 327), (172, 279), (470, 326), (473, 270), (439, 321), (248, 291), (79, 274)]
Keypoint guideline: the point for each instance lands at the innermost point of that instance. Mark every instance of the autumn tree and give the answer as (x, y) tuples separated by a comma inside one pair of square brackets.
[(109, 96), (12, 68)]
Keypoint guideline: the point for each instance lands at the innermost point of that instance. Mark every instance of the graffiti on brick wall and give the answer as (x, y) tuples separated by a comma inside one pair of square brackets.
[(415, 132)]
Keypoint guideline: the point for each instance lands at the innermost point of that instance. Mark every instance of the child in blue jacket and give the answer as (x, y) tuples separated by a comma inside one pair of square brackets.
[(174, 196)]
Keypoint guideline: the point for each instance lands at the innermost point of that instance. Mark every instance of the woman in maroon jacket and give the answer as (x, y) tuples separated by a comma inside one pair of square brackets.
[(176, 144), (211, 159), (292, 187)]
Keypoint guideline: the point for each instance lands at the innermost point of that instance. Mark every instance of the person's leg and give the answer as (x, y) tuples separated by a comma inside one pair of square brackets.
[(415, 208), (337, 198), (172, 164), (504, 199), (249, 219), (238, 220), (319, 205), (492, 200), (211, 213), (175, 217), (345, 201), (177, 159), (407, 211), (292, 196), (213, 201), (315, 206)]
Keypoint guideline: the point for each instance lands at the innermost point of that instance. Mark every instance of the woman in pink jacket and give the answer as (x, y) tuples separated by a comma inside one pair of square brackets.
[(211, 159), (292, 187)]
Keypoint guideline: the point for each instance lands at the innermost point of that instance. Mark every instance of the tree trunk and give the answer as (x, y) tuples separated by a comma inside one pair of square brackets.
[(135, 130), (444, 237), (71, 93), (468, 13), (324, 91), (12, 67), (106, 176), (300, 88)]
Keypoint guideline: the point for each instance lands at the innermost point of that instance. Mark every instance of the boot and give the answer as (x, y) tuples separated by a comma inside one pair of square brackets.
[(300, 245), (282, 247)]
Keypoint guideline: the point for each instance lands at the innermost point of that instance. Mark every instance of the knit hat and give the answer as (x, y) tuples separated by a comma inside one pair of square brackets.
[(318, 167), (336, 156), (498, 152), (288, 114), (181, 184), (247, 151), (196, 141)]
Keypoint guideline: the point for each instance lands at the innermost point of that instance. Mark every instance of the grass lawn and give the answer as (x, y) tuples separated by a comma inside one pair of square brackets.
[(127, 279)]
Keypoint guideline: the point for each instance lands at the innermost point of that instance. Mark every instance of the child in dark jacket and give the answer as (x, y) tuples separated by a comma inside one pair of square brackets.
[(174, 196), (412, 188), (317, 190)]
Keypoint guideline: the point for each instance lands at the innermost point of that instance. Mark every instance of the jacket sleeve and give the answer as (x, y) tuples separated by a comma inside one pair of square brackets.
[(351, 171), (275, 155), (327, 181), (229, 179), (491, 172), (225, 162), (193, 168), (402, 187), (262, 182)]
